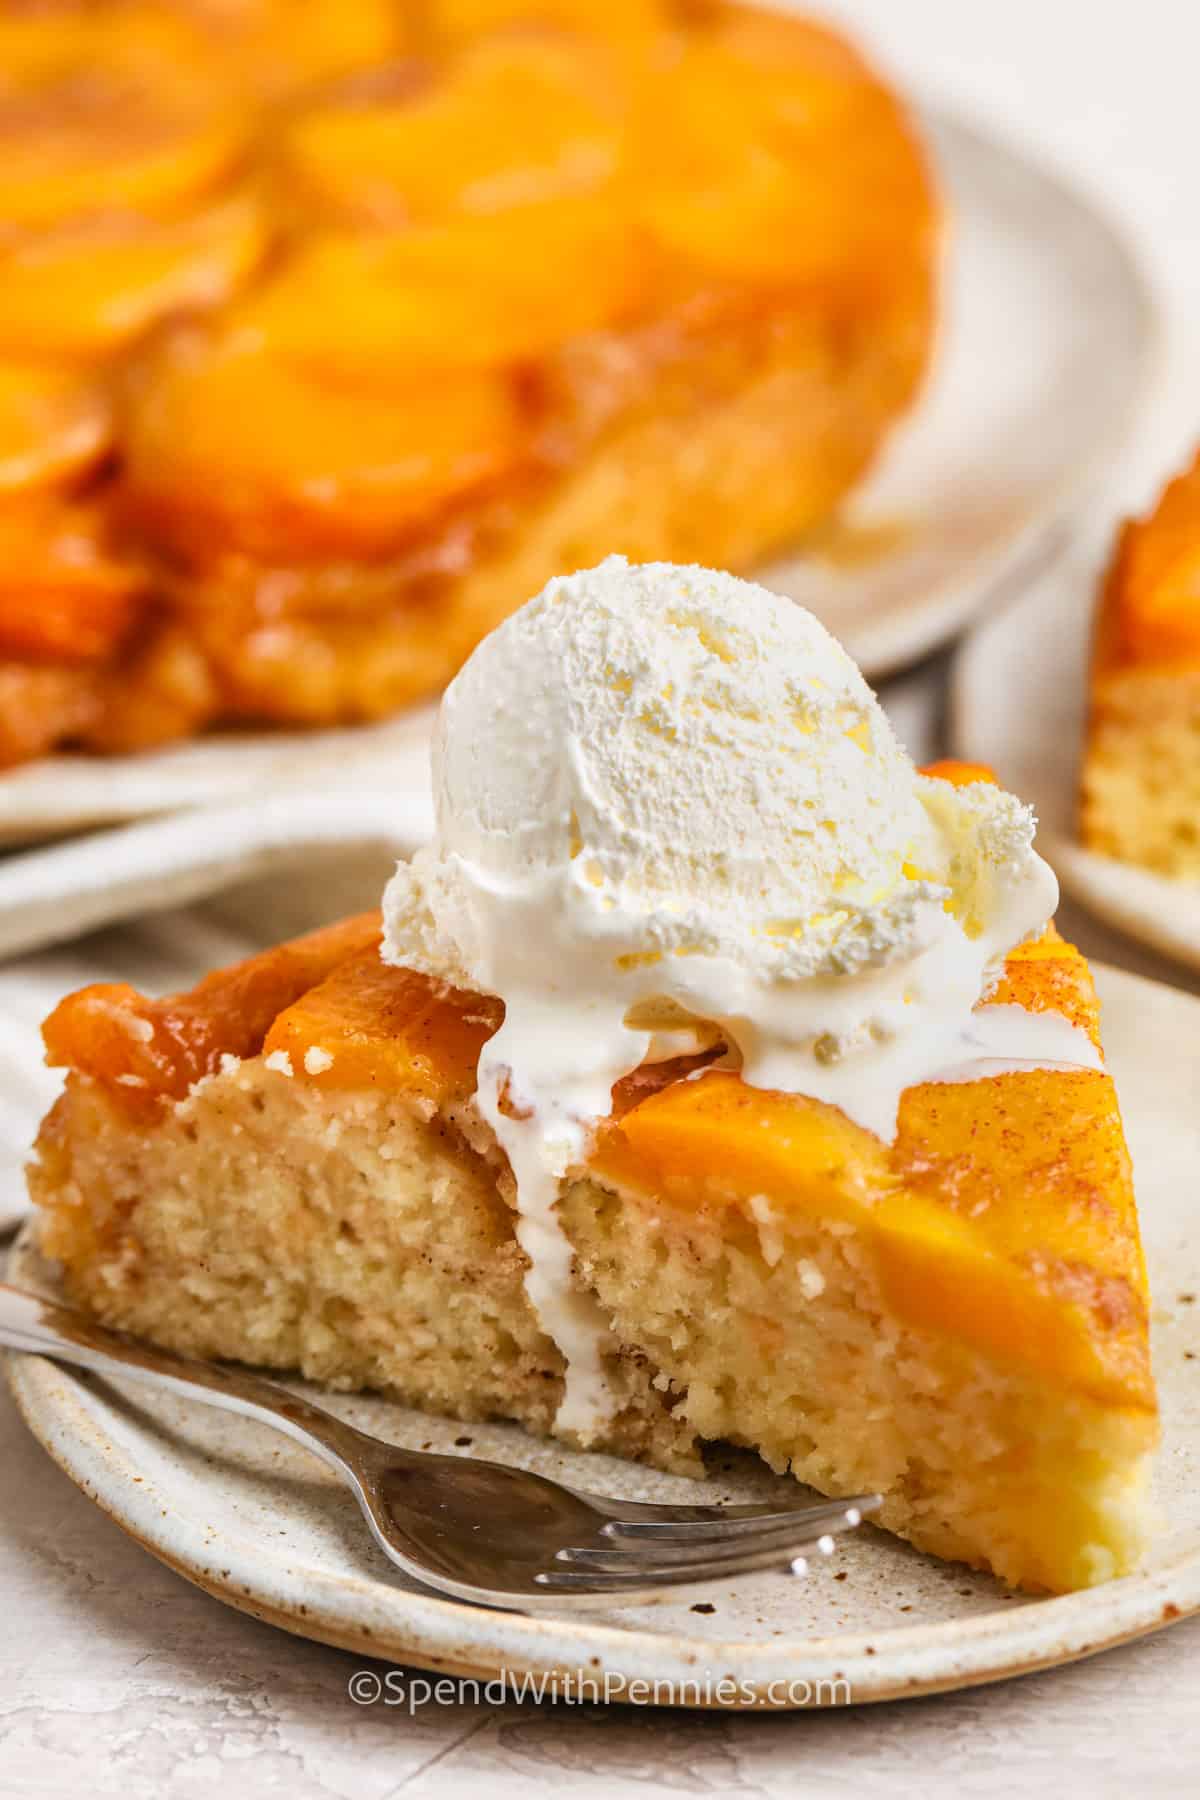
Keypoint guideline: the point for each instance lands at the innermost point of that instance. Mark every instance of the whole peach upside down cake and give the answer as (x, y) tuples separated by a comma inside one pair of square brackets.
[(331, 329), (649, 1150)]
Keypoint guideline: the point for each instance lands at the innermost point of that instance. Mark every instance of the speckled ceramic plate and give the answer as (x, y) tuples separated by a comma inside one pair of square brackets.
[(1018, 700), (259, 1524), (1047, 337)]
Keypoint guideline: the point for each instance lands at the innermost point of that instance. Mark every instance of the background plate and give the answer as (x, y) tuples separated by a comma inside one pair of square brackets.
[(1019, 702), (1045, 349), (259, 1524)]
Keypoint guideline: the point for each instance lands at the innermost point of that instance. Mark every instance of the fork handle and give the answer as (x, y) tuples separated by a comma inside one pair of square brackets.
[(44, 1328)]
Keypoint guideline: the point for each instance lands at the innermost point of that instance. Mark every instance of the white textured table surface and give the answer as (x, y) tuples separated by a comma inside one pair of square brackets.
[(116, 1677)]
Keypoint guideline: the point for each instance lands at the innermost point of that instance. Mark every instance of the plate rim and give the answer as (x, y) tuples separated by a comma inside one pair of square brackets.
[(351, 1612)]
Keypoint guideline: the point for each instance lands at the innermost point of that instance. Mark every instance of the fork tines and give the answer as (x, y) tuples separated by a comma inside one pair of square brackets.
[(643, 1554)]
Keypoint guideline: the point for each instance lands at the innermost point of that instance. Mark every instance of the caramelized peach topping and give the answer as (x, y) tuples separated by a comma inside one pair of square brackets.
[(371, 1025), (150, 1050), (324, 463), (54, 426), (1150, 612), (64, 597), (958, 774), (87, 289)]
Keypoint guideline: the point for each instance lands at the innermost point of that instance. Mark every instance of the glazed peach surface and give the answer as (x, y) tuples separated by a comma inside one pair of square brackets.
[(352, 323), (1150, 604), (1140, 773), (1003, 1215)]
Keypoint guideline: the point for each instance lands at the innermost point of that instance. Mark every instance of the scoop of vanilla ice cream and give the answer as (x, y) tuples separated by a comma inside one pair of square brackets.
[(651, 764), (671, 816), (690, 764)]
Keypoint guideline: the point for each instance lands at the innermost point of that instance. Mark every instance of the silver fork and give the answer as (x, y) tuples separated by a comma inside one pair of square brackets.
[(481, 1531)]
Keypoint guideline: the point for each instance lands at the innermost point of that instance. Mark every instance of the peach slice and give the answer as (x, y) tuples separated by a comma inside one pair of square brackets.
[(255, 48), (63, 596), (280, 47), (480, 291), (959, 774), (41, 45), (103, 140), (510, 122), (369, 1025), (148, 1050), (54, 425), (83, 291), (230, 445), (785, 162), (451, 22)]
